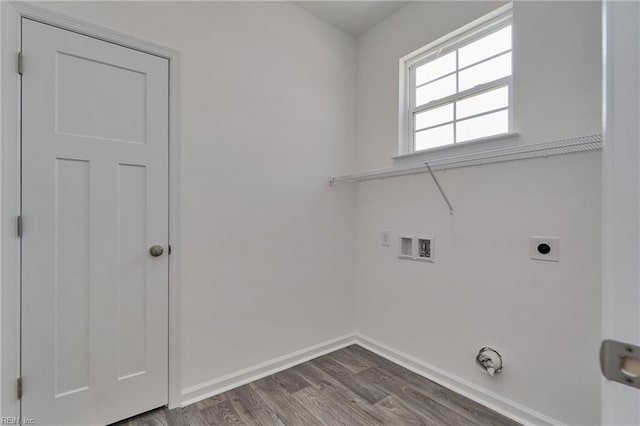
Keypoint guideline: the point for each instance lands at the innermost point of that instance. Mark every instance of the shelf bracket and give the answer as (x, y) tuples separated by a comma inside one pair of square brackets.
[(446, 200)]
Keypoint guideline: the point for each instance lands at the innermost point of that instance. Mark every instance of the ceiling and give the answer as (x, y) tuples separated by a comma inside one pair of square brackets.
[(354, 17)]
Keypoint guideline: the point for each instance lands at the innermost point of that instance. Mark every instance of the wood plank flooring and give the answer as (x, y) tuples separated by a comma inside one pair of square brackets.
[(352, 386)]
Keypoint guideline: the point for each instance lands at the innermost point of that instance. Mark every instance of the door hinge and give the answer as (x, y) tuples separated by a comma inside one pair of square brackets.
[(19, 388), (169, 249), (19, 226), (20, 63)]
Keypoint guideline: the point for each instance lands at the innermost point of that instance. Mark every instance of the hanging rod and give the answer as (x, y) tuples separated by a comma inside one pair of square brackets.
[(547, 149)]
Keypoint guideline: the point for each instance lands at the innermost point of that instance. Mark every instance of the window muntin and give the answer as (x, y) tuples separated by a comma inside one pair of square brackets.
[(486, 101), (436, 90), (482, 126), (434, 116), (493, 69), (434, 137), (461, 91), (435, 69), (491, 45)]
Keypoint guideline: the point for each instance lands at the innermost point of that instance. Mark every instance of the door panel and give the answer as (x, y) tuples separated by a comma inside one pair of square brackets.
[(71, 275), (132, 283), (94, 199), (100, 89)]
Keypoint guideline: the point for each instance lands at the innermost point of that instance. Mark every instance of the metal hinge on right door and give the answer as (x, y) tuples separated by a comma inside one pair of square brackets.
[(19, 226), (19, 388), (20, 62)]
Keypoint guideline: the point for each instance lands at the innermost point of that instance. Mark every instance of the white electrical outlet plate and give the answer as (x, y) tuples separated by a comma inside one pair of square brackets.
[(544, 248), (385, 238)]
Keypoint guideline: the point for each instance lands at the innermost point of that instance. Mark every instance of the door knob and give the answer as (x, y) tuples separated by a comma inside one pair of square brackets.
[(156, 251)]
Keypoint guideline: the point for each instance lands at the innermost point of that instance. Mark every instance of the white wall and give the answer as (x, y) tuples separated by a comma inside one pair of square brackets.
[(483, 290), (268, 111)]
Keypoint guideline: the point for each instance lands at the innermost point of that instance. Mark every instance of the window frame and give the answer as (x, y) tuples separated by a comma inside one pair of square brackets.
[(488, 24)]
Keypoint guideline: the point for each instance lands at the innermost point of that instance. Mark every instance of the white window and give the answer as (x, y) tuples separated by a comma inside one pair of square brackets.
[(459, 90)]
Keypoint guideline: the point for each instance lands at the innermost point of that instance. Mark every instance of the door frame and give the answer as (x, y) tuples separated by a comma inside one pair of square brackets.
[(620, 198), (11, 13)]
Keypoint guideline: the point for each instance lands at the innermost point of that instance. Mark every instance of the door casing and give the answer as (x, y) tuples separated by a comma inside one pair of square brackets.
[(621, 198), (11, 14)]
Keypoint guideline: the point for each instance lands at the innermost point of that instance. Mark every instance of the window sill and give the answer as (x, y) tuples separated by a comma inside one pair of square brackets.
[(461, 148)]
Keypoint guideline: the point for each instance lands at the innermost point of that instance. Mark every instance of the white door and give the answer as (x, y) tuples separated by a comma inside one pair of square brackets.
[(621, 199), (94, 199)]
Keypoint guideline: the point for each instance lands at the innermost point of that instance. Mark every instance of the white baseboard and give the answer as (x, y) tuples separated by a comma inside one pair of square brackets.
[(213, 387), (489, 399)]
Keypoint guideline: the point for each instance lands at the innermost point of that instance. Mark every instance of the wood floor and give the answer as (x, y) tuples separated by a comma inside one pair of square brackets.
[(351, 386)]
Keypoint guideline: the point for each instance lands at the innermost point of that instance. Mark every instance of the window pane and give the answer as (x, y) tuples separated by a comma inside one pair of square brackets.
[(436, 68), (432, 138), (485, 47), (436, 90), (487, 71), (487, 101), (485, 125), (434, 116)]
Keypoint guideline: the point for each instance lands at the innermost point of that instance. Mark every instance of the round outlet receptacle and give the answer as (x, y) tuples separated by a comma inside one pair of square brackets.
[(544, 248)]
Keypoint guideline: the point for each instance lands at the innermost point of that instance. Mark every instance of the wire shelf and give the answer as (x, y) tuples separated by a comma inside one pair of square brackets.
[(547, 149)]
